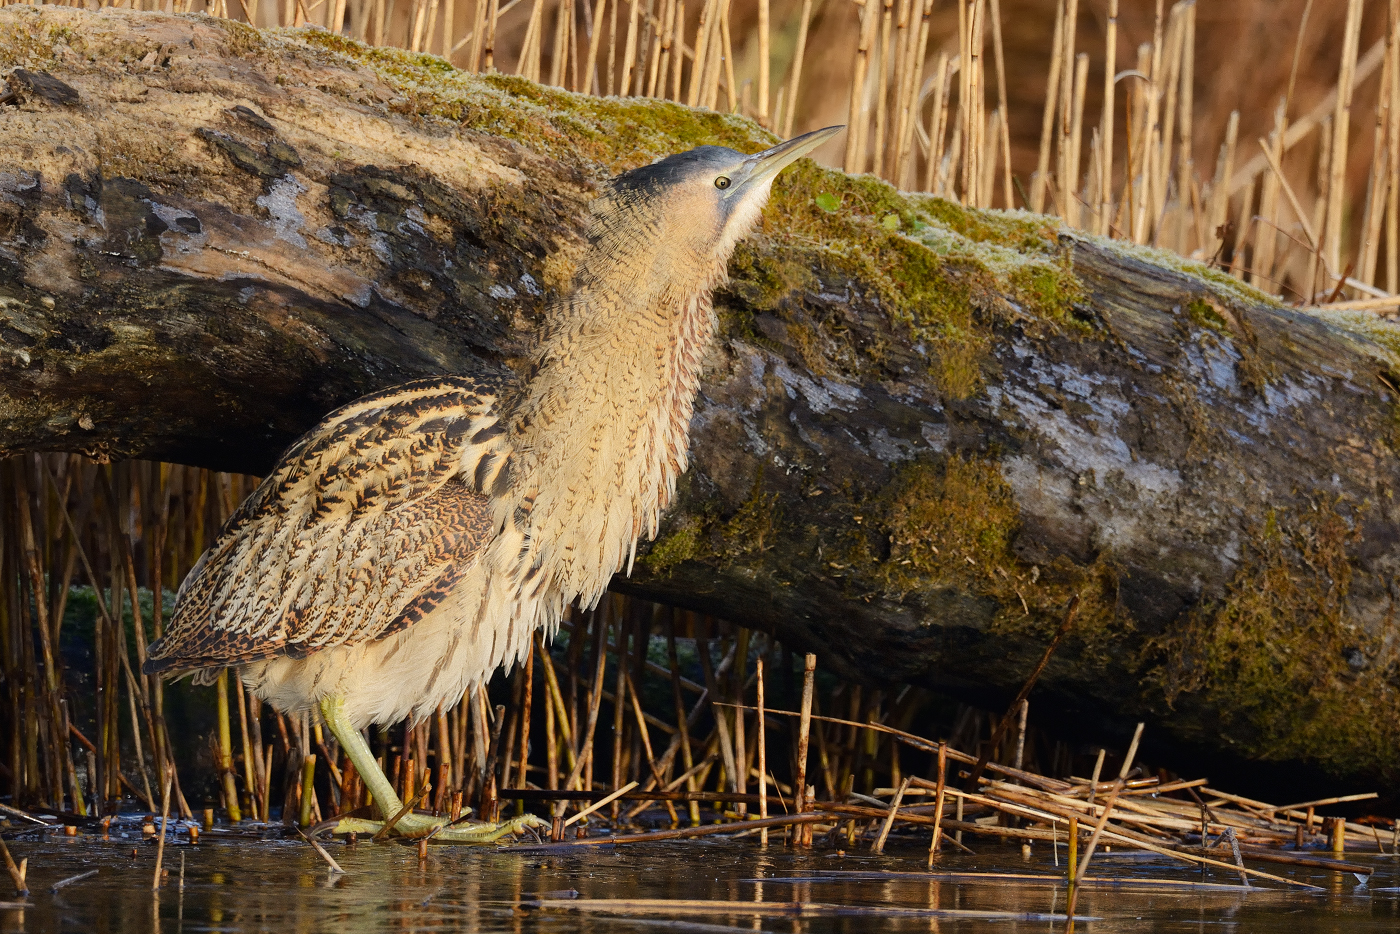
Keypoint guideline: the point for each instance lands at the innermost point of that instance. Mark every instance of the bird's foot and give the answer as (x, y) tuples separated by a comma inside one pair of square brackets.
[(442, 830)]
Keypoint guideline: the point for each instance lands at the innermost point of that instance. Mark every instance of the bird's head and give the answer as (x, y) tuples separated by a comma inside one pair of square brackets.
[(687, 211)]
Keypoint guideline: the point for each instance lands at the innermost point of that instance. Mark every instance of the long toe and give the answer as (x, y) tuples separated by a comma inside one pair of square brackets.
[(483, 833)]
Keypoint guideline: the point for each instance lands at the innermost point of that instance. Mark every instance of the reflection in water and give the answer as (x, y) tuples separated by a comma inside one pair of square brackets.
[(240, 885)]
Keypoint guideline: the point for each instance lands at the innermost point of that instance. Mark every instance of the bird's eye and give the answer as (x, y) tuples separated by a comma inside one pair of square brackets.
[(722, 182)]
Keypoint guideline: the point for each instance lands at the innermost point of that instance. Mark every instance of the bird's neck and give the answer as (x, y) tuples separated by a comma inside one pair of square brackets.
[(602, 430)]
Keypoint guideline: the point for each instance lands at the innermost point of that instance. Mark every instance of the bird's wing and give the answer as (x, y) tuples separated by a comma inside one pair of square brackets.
[(364, 526)]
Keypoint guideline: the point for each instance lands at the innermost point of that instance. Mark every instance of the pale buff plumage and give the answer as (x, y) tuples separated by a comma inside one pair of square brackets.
[(412, 542)]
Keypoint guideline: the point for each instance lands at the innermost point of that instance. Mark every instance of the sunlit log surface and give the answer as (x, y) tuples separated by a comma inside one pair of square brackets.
[(922, 431)]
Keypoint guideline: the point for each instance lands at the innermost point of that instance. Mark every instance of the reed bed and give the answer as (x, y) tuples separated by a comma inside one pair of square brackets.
[(638, 723)]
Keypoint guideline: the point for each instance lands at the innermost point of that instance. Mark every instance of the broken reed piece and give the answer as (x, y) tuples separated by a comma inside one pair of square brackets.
[(1083, 868), (16, 873), (308, 786), (804, 734), (936, 844), (762, 731)]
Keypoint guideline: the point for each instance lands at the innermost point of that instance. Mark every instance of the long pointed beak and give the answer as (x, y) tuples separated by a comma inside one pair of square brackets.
[(770, 162)]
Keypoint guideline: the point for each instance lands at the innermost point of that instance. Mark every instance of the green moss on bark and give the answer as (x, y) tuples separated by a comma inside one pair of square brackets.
[(1296, 678)]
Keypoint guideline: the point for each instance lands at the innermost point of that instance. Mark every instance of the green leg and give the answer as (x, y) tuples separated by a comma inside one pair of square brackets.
[(333, 712), (410, 825)]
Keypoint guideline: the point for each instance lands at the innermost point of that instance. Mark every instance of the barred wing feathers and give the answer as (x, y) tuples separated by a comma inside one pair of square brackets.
[(363, 527)]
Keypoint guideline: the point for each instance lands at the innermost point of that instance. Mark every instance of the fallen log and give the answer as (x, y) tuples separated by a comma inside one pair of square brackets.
[(923, 430)]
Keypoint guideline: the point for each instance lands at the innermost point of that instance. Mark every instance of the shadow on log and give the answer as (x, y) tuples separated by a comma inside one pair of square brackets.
[(923, 430)]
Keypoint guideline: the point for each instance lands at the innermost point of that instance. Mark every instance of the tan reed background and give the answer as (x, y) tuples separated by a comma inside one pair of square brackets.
[(936, 102), (1296, 195)]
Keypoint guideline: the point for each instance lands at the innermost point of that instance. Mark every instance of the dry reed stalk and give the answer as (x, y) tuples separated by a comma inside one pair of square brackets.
[(595, 699), (1293, 202), (1170, 85), (1243, 229), (1186, 166), (661, 48), (804, 20), (991, 148), (1379, 177), (702, 50), (1127, 766), (619, 708), (765, 62), (1392, 207), (1151, 134), (933, 156), (730, 87), (804, 729), (590, 70), (1266, 234), (249, 781), (709, 90), (1220, 191), (1001, 99), (646, 744), (164, 825), (877, 146), (444, 762), (527, 695), (1047, 121), (1335, 190), (726, 745), (879, 845), (559, 53), (682, 722), (906, 34), (914, 100), (1066, 183), (629, 50), (762, 756), (226, 749), (1071, 185), (854, 162), (678, 56), (612, 48), (940, 790), (308, 789), (555, 699)]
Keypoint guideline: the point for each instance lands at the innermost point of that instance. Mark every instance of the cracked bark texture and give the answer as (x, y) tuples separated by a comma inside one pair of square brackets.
[(210, 237)]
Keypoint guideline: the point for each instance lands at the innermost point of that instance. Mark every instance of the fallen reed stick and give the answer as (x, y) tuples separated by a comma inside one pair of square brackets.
[(602, 802), (671, 906), (64, 883), (402, 812), (879, 845), (1020, 878), (316, 845)]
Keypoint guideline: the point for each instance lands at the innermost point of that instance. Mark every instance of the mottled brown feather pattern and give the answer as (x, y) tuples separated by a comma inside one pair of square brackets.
[(410, 545), (361, 530)]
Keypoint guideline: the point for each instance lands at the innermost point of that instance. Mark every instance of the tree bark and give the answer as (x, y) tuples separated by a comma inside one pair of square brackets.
[(923, 429)]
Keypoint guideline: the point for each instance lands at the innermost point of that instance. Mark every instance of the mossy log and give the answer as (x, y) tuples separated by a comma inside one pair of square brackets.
[(923, 429)]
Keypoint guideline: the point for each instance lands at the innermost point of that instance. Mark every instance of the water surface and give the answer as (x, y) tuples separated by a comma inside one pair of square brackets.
[(243, 884)]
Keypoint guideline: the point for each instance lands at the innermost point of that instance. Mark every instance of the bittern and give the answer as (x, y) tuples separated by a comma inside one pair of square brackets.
[(415, 539)]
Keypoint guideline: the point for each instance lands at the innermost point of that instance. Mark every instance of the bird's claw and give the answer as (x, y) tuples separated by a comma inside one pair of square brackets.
[(442, 830)]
